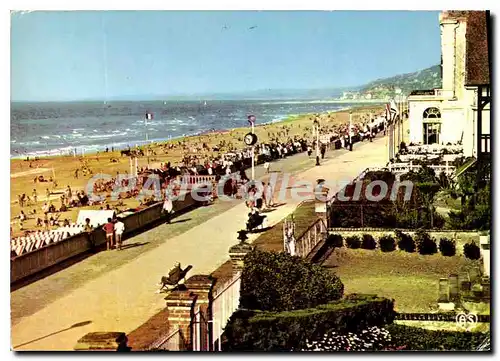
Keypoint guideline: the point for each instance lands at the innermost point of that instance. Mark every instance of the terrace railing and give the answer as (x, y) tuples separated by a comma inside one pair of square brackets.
[(306, 242), (197, 179), (174, 341), (224, 303)]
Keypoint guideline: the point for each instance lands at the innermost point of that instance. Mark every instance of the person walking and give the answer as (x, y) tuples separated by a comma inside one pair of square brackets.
[(167, 208), (119, 229), (268, 195), (266, 166), (87, 228), (35, 196), (109, 228)]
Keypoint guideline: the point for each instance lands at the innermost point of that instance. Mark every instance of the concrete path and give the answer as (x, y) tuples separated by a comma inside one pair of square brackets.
[(124, 298)]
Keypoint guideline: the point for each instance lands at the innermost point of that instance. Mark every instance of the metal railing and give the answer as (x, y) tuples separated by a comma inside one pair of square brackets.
[(224, 303), (310, 238), (200, 332), (197, 179), (408, 167), (174, 341)]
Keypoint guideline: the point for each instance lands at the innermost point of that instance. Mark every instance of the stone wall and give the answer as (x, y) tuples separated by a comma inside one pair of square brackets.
[(460, 237), (38, 260)]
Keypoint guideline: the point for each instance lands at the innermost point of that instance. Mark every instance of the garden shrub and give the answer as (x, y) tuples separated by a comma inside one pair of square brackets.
[(387, 243), (405, 241), (472, 251), (425, 244), (335, 240), (371, 339), (447, 247), (290, 330), (368, 242), (278, 282), (419, 339), (353, 242)]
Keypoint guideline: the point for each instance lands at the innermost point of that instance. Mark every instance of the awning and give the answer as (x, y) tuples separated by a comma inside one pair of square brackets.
[(97, 218)]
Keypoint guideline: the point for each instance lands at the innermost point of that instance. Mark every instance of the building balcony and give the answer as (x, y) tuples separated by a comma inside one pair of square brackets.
[(432, 94)]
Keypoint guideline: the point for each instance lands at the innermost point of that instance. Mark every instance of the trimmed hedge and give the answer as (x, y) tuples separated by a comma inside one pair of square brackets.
[(280, 282), (368, 242), (472, 251), (419, 339), (387, 243), (405, 241), (447, 247), (335, 240), (425, 244), (353, 242), (251, 330)]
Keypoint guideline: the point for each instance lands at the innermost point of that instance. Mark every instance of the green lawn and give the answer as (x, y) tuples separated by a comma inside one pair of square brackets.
[(408, 278)]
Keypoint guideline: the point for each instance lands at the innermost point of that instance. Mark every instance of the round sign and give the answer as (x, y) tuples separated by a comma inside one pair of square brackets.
[(250, 139)]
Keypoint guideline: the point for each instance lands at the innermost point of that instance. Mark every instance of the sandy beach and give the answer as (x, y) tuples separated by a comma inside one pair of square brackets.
[(62, 168)]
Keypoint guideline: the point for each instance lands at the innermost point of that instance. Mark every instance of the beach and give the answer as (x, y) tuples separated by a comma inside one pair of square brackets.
[(62, 168)]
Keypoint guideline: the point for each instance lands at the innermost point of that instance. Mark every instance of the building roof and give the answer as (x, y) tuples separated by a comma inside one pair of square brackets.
[(477, 57)]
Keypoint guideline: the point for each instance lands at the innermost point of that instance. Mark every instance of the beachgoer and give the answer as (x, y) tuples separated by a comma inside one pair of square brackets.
[(266, 167), (109, 229), (119, 229), (167, 208)]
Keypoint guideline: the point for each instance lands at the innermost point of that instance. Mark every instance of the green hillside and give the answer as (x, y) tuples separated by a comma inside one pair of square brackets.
[(429, 78)]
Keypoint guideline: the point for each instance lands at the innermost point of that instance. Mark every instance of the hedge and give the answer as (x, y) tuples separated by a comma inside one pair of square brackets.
[(419, 339), (405, 241), (368, 242), (425, 244), (447, 247), (472, 251), (280, 282), (335, 240), (387, 243), (353, 242), (251, 330)]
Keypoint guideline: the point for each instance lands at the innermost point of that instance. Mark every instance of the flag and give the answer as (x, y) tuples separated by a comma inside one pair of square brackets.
[(394, 109), (251, 119)]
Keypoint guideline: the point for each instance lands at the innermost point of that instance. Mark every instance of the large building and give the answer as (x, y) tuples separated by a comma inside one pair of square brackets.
[(459, 112)]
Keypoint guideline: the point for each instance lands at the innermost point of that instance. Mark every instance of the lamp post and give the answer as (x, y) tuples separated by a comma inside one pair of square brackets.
[(350, 130), (316, 130)]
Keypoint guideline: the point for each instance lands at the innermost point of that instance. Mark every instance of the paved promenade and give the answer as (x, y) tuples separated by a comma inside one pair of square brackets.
[(123, 297)]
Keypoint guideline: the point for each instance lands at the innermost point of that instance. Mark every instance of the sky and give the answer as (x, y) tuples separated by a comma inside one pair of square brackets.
[(83, 55)]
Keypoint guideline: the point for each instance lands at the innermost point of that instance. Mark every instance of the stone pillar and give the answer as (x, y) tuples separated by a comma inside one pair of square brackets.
[(180, 305), (443, 291), (485, 253), (201, 287), (102, 341), (237, 253), (453, 283)]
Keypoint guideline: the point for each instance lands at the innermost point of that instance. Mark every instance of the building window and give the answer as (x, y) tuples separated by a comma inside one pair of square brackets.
[(432, 113), (432, 125)]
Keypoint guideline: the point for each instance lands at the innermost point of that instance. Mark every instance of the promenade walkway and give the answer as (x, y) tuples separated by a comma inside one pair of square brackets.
[(122, 298)]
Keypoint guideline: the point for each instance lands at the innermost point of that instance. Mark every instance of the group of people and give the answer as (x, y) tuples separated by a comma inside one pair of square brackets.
[(114, 229)]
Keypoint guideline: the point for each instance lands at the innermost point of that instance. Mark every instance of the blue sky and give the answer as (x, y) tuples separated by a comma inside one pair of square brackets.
[(107, 54)]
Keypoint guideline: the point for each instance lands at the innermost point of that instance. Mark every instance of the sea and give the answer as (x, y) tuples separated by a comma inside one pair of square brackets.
[(42, 129)]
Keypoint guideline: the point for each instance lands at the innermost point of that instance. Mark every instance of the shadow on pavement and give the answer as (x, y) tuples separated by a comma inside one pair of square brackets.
[(132, 245), (79, 324)]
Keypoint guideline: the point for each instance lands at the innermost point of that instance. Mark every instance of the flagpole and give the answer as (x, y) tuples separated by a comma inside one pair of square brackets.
[(253, 153), (147, 147)]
